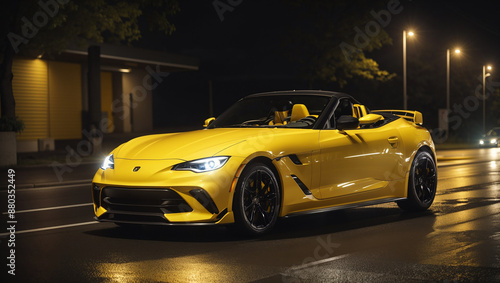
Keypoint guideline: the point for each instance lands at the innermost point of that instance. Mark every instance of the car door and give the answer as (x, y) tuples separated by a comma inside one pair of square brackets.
[(357, 161)]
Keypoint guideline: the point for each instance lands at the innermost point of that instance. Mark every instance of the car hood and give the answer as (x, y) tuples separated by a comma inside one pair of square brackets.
[(185, 146)]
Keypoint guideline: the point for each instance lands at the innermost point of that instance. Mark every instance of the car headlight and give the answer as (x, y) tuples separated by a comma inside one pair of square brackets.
[(492, 141), (481, 142), (109, 162), (202, 165)]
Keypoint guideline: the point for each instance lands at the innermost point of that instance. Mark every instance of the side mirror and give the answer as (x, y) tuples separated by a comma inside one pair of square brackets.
[(208, 122), (346, 122)]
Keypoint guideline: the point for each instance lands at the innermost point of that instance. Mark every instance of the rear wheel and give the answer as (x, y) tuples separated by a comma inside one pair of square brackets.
[(257, 198), (422, 183)]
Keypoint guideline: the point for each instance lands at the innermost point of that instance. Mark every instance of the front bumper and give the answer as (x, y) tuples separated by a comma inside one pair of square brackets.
[(160, 196)]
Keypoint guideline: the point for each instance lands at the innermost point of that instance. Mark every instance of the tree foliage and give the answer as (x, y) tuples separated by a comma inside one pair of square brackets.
[(332, 42)]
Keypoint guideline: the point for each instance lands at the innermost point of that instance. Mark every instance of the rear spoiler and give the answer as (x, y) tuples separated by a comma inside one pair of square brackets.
[(412, 116)]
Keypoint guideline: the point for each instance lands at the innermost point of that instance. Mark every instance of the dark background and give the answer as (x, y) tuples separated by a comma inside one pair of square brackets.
[(247, 53)]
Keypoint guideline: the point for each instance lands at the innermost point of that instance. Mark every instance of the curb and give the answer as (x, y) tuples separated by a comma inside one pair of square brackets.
[(49, 165)]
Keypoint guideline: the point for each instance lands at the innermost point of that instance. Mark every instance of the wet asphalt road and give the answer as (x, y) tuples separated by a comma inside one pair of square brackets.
[(457, 240)]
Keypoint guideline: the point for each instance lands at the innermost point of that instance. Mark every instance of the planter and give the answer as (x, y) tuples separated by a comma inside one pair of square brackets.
[(8, 149)]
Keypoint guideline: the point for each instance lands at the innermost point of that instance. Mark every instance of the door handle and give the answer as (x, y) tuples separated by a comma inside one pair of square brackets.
[(394, 141)]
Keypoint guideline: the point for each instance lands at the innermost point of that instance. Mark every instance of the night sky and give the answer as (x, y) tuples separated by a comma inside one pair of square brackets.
[(243, 54)]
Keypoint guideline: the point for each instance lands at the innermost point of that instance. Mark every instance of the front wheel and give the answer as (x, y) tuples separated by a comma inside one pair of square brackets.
[(257, 200), (422, 183)]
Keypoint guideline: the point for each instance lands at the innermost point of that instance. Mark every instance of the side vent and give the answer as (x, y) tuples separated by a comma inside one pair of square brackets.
[(302, 186), (295, 159)]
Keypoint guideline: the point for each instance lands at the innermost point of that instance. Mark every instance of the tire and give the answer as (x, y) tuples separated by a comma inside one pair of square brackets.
[(257, 200), (422, 183)]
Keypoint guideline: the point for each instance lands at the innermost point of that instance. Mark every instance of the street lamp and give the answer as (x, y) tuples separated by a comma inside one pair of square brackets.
[(484, 94), (405, 99), (457, 51)]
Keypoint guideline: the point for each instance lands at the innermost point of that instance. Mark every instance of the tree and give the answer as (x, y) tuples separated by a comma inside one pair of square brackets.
[(329, 39), (32, 28)]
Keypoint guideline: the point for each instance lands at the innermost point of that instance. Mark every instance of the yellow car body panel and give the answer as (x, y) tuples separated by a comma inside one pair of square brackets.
[(317, 169)]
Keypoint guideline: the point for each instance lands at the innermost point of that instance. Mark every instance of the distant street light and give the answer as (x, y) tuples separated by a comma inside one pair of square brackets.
[(484, 94), (457, 51), (405, 98)]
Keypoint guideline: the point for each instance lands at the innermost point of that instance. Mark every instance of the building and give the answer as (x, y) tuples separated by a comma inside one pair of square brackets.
[(53, 98)]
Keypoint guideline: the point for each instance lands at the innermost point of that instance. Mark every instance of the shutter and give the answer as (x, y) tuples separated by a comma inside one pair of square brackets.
[(30, 89), (65, 100)]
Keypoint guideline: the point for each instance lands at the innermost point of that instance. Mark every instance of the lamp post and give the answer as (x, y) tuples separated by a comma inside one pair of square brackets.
[(457, 51), (484, 94), (405, 98)]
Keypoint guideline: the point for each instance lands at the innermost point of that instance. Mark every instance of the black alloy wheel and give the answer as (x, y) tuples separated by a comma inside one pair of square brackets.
[(422, 183), (257, 200)]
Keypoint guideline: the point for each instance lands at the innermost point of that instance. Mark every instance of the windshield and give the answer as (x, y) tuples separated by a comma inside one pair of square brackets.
[(286, 111)]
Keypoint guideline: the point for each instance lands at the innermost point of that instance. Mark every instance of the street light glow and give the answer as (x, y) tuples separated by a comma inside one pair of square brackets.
[(448, 55), (484, 93), (405, 97)]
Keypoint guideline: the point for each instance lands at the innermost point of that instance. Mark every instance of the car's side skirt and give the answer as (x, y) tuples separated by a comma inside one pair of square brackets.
[(344, 206)]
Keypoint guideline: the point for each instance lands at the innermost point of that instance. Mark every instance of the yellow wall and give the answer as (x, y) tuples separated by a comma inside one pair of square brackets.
[(30, 89), (48, 98), (107, 98), (65, 100)]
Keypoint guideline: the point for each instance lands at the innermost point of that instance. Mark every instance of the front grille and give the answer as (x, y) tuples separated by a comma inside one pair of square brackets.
[(141, 204)]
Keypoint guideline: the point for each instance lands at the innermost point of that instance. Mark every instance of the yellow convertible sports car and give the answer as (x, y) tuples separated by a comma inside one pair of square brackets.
[(268, 156)]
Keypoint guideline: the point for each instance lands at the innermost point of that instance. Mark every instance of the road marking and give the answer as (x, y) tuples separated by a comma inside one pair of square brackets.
[(51, 228), (306, 265), (52, 208), (48, 188), (55, 187)]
